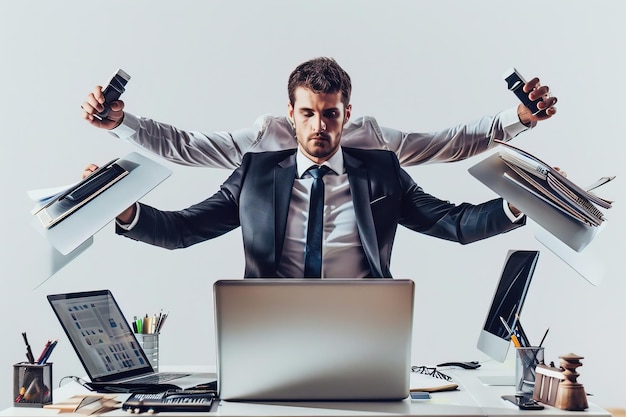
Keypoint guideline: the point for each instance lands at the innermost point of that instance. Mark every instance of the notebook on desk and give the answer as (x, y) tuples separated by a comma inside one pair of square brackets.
[(307, 339), (107, 347)]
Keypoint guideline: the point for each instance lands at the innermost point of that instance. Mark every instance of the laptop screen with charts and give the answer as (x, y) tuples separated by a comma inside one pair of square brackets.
[(313, 339), (106, 345)]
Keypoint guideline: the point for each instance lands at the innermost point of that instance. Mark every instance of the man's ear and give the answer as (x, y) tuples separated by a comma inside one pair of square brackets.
[(347, 114), (290, 113)]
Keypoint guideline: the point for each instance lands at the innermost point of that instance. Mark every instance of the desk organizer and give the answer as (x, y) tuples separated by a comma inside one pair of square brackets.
[(558, 386), (32, 384)]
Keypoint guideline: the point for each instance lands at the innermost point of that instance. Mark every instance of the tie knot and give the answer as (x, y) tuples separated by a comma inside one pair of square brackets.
[(318, 171)]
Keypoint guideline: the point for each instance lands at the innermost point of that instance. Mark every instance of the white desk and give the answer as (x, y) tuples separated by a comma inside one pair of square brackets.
[(472, 399)]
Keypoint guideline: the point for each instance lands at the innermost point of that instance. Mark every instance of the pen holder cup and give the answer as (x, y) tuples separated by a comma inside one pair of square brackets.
[(149, 342), (526, 360), (32, 384)]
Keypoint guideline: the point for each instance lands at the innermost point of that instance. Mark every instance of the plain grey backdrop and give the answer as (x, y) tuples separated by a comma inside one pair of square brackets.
[(217, 65)]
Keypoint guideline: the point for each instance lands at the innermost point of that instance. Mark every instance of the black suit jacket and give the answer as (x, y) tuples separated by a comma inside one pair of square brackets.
[(257, 194)]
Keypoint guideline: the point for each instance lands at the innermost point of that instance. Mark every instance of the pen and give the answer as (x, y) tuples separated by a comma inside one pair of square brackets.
[(506, 326), (162, 321), (43, 352), (544, 337), (521, 334), (29, 352), (47, 353)]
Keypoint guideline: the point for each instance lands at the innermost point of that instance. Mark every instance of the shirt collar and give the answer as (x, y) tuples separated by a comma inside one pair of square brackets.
[(335, 162)]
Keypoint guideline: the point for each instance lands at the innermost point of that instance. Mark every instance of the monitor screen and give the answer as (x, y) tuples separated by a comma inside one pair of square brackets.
[(507, 303)]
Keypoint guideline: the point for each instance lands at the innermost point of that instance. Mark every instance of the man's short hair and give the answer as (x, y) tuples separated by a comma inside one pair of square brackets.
[(320, 75)]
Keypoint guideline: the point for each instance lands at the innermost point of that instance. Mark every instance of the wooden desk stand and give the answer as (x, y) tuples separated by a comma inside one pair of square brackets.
[(558, 387)]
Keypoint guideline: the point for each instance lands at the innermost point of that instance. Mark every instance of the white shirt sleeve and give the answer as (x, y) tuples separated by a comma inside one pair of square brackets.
[(269, 133)]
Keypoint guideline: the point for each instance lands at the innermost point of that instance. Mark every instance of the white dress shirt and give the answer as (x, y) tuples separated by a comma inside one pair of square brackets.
[(342, 252)]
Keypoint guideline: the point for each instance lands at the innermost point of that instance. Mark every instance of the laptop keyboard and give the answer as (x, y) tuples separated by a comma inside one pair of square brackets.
[(159, 378)]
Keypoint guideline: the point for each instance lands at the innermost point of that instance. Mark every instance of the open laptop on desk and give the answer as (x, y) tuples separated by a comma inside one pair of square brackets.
[(312, 339), (107, 347)]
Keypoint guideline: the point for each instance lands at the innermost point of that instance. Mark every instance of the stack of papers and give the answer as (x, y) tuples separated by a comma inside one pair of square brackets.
[(88, 404), (554, 188)]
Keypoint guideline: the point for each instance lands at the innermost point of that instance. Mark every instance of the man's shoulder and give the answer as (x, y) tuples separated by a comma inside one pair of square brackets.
[(372, 159), (254, 157), (369, 153)]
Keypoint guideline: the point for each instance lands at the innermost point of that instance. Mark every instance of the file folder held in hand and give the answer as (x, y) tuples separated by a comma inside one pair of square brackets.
[(571, 213), (75, 197)]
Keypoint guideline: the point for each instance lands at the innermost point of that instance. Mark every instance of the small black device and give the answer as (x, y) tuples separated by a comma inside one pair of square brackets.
[(515, 83), (113, 91), (524, 402)]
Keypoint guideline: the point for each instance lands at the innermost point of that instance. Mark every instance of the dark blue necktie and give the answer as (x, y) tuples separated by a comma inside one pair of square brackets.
[(315, 230)]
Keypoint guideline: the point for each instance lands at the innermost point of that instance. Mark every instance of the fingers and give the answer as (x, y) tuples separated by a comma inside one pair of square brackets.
[(536, 91), (89, 169), (94, 104)]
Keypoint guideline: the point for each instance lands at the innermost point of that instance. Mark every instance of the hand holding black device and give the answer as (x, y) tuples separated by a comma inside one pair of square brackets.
[(515, 83), (113, 91)]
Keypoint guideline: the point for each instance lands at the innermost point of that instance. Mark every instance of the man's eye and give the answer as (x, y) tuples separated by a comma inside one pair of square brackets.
[(332, 114)]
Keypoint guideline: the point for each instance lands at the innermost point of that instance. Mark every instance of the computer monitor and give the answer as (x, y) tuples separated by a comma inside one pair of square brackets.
[(495, 339)]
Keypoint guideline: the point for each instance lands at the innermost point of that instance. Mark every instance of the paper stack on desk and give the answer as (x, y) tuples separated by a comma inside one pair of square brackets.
[(87, 404)]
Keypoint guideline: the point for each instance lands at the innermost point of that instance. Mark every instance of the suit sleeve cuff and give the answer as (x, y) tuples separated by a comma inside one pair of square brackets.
[(129, 226), (509, 213)]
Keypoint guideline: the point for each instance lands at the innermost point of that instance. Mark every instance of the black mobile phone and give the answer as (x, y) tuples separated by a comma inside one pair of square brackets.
[(515, 83), (113, 91), (524, 402)]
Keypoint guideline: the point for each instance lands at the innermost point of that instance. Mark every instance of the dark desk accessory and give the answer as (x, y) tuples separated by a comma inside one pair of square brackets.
[(524, 402), (170, 401), (464, 365), (32, 384)]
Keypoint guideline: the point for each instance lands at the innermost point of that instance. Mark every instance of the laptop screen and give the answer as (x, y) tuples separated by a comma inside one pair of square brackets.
[(314, 339), (100, 335)]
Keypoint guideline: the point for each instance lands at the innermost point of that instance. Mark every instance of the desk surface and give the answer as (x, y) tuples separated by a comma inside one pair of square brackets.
[(472, 399)]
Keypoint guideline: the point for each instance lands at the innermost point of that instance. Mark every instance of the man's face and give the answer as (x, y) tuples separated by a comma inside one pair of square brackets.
[(319, 121)]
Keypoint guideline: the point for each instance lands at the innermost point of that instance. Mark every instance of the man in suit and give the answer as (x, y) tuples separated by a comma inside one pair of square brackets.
[(225, 149), (366, 196)]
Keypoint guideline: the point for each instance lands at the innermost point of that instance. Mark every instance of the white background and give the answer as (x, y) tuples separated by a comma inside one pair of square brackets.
[(217, 65)]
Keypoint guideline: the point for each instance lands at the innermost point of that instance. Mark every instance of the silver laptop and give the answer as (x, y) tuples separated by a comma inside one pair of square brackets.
[(107, 347), (308, 339)]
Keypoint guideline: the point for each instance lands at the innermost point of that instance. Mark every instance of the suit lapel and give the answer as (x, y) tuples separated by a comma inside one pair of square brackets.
[(284, 176), (359, 187)]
